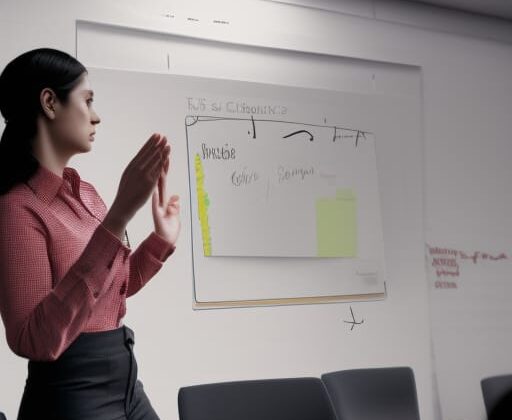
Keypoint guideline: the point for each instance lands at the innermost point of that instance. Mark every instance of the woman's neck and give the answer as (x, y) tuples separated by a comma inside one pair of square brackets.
[(45, 152)]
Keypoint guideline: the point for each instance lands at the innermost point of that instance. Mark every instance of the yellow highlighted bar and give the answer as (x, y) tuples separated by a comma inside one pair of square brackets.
[(202, 204)]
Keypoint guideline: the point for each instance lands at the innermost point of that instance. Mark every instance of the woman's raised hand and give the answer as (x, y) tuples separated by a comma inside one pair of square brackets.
[(137, 183)]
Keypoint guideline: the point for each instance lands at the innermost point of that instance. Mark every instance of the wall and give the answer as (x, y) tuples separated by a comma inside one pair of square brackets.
[(465, 62)]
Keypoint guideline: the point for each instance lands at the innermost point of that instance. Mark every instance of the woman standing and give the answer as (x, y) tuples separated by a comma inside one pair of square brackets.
[(65, 272)]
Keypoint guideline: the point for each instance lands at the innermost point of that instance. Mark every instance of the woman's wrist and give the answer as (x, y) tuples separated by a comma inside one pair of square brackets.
[(160, 246), (164, 237), (116, 222)]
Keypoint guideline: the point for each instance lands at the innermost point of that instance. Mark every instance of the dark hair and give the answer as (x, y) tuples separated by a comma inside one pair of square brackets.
[(21, 83)]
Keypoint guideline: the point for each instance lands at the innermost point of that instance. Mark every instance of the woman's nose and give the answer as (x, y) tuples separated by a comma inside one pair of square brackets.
[(95, 118)]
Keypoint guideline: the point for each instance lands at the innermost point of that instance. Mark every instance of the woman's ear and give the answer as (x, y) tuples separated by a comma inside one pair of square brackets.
[(48, 102)]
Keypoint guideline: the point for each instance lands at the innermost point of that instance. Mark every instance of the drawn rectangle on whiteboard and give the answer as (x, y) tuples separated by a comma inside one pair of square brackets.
[(270, 188)]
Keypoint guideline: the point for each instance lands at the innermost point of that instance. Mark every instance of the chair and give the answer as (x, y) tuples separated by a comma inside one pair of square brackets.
[(268, 399), (373, 394), (2, 416), (497, 393)]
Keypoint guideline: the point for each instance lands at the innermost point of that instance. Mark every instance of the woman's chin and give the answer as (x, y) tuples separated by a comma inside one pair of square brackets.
[(85, 148)]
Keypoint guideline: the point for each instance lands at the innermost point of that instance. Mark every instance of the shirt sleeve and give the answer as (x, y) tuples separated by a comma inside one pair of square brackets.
[(147, 260), (40, 320)]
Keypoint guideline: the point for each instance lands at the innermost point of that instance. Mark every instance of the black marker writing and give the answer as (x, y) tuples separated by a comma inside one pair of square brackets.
[(218, 153), (300, 132)]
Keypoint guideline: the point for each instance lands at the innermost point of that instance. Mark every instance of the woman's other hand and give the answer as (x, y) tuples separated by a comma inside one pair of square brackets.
[(166, 212)]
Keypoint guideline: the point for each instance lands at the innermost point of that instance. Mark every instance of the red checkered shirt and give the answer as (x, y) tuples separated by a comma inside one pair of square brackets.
[(61, 271)]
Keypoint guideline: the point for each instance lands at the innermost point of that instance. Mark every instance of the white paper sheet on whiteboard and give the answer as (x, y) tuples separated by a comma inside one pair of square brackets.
[(267, 187)]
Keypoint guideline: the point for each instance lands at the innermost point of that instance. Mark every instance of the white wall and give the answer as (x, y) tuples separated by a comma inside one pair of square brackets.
[(465, 62)]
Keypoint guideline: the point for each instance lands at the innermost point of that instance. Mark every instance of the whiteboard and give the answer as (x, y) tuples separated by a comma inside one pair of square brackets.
[(278, 258)]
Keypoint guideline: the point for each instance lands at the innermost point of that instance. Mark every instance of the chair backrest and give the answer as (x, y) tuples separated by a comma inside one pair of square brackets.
[(2, 416), (497, 393), (283, 399), (373, 394)]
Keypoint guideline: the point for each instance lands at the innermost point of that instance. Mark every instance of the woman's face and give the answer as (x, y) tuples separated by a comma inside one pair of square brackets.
[(74, 125)]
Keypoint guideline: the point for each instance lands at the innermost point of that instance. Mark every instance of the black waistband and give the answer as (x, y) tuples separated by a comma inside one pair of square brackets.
[(96, 344), (101, 343)]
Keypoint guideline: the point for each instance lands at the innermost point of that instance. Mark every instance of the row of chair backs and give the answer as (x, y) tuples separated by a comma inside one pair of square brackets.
[(360, 394)]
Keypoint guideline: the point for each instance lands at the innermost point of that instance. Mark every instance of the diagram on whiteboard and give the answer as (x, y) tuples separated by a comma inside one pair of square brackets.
[(270, 188)]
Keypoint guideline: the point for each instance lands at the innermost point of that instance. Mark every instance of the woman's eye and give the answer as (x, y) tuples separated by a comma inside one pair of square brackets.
[(89, 101)]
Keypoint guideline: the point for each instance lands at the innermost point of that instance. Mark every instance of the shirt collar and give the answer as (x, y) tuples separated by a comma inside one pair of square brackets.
[(46, 184)]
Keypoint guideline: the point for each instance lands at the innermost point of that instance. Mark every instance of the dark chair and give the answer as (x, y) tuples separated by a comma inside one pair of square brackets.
[(268, 399), (373, 394), (497, 393), (2, 416)]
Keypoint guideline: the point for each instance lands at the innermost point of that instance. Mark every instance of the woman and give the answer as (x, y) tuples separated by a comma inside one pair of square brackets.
[(65, 272)]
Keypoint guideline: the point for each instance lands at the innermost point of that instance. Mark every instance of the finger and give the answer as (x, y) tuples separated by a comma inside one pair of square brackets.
[(143, 160), (166, 165), (167, 151), (168, 148), (154, 156), (163, 185), (161, 188), (154, 168), (166, 155), (154, 198), (150, 144), (174, 204), (154, 143), (167, 161), (154, 164), (173, 208)]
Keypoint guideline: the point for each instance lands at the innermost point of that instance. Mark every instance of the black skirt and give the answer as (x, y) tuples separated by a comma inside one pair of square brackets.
[(94, 379)]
